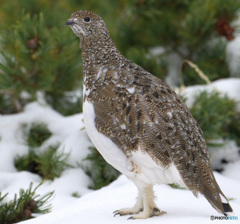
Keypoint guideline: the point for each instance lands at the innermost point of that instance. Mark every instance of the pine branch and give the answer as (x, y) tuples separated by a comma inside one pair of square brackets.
[(23, 207)]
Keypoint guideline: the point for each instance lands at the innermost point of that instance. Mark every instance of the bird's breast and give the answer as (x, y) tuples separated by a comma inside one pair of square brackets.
[(106, 147)]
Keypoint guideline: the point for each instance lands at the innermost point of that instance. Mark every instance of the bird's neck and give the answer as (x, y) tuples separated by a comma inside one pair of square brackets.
[(98, 53), (98, 50)]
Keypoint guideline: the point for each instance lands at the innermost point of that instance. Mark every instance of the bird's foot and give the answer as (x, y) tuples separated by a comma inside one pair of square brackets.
[(127, 211), (147, 213)]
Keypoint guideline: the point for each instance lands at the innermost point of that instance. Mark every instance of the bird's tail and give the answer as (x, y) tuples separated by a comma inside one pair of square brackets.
[(215, 196)]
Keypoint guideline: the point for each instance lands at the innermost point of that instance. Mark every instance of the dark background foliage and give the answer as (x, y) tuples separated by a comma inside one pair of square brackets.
[(38, 53)]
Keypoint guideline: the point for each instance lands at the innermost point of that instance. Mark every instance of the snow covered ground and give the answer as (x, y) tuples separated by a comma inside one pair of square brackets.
[(98, 206), (181, 205)]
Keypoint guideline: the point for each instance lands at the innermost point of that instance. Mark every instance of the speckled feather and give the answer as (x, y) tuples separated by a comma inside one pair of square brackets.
[(138, 111)]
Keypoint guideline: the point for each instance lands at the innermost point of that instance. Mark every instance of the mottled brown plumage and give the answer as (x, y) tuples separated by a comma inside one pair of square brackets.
[(143, 118)]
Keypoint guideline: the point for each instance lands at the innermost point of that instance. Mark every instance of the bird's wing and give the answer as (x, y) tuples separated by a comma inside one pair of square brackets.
[(148, 113), (171, 134)]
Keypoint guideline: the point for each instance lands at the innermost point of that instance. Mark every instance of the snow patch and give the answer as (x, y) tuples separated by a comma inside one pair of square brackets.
[(230, 87), (233, 56)]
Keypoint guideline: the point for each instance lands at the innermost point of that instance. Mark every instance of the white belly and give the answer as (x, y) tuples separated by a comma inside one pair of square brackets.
[(110, 152), (153, 173), (147, 170)]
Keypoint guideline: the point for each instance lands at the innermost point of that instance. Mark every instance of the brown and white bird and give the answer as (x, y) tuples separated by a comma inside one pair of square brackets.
[(138, 124)]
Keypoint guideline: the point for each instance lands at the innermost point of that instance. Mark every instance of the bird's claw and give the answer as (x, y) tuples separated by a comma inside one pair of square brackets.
[(143, 215), (121, 213), (131, 217), (116, 213)]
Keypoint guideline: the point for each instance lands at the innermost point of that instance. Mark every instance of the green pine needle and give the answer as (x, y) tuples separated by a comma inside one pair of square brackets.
[(217, 116), (100, 171), (38, 133), (24, 206), (48, 164), (51, 163), (176, 186), (230, 199)]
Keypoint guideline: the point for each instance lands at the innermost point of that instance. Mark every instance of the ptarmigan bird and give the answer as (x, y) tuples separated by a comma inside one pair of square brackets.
[(138, 124)]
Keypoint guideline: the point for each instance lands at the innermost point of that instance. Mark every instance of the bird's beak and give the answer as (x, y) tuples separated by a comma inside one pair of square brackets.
[(69, 22)]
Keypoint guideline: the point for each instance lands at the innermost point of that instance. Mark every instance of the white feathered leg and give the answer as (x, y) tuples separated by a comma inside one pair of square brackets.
[(136, 208), (145, 206)]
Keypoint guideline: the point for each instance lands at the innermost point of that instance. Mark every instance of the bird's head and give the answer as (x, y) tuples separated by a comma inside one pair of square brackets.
[(86, 24)]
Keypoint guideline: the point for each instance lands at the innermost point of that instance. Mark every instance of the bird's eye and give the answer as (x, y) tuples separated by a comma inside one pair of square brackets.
[(87, 19)]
